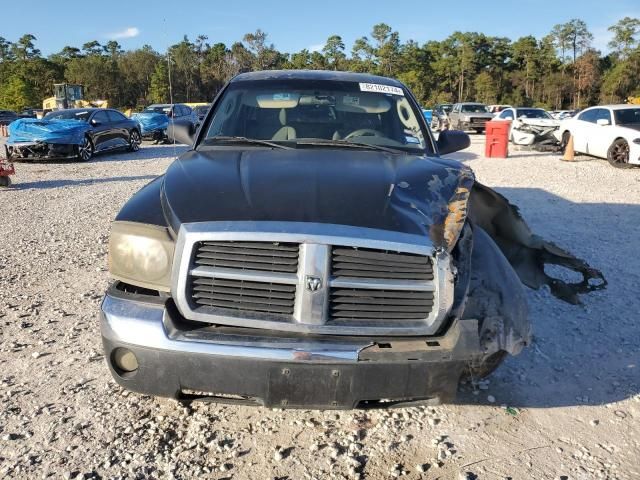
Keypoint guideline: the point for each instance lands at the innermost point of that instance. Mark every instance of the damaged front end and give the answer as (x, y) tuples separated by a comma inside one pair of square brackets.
[(40, 151), (496, 254), (32, 139), (539, 135)]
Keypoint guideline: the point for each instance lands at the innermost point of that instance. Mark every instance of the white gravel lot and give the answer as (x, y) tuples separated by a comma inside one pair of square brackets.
[(573, 398)]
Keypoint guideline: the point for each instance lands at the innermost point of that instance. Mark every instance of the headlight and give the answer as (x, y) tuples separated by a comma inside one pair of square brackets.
[(141, 254)]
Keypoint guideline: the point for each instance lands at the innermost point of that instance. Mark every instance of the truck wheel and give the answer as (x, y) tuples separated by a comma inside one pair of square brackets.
[(5, 181), (85, 150), (486, 367), (618, 154)]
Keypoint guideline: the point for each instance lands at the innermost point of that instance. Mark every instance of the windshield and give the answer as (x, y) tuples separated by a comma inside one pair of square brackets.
[(531, 113), (627, 116), (299, 111), (446, 108), (82, 115), (202, 109), (475, 108), (157, 109)]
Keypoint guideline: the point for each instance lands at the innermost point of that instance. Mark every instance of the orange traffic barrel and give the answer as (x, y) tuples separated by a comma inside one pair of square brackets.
[(497, 138)]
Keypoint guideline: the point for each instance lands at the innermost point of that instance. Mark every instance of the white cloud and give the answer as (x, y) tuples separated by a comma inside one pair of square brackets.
[(316, 48), (130, 32)]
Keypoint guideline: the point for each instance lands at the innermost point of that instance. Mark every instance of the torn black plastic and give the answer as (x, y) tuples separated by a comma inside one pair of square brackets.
[(528, 253)]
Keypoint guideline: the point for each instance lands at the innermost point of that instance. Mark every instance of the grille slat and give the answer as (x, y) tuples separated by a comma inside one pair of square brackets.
[(242, 296), (360, 304), (261, 256), (369, 263), (380, 304)]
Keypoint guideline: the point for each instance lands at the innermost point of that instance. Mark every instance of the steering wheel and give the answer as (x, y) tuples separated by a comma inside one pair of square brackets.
[(364, 132)]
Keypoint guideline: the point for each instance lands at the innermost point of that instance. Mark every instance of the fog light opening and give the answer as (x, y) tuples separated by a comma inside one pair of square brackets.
[(124, 362)]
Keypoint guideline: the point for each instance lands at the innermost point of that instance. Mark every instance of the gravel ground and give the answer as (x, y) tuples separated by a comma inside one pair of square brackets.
[(568, 407)]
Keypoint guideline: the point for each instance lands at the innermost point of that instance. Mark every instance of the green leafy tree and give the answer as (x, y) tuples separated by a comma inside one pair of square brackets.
[(159, 89), (625, 34), (334, 51)]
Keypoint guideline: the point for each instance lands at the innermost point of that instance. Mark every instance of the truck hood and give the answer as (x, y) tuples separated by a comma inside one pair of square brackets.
[(403, 193)]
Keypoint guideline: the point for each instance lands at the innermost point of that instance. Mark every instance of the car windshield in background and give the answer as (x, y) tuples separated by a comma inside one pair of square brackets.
[(329, 112), (82, 115), (201, 110), (474, 109), (627, 116), (157, 109), (446, 108), (531, 113)]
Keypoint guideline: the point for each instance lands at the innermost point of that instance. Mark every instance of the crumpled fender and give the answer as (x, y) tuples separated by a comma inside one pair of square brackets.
[(526, 252)]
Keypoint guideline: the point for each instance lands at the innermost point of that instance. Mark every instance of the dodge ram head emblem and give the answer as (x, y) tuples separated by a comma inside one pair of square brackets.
[(313, 283)]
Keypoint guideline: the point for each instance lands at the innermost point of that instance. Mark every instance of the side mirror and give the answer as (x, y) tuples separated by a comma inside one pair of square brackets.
[(603, 122), (181, 132), (450, 141)]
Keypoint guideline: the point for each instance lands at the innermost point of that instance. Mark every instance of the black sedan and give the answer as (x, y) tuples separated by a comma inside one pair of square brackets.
[(7, 116), (73, 133)]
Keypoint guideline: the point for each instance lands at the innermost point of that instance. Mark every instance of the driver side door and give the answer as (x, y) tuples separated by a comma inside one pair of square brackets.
[(100, 130)]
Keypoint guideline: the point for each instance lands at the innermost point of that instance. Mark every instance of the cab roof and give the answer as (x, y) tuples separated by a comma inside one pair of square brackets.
[(316, 75)]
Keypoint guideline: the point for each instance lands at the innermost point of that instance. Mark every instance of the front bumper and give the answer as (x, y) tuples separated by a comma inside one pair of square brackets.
[(186, 360), (40, 150)]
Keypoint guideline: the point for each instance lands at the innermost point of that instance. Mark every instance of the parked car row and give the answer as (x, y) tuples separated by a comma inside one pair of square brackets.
[(82, 132)]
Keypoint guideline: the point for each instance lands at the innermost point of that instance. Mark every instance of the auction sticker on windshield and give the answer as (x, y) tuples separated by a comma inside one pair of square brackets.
[(376, 87)]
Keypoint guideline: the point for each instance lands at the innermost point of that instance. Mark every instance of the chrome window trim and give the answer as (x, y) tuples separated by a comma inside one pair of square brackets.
[(310, 308)]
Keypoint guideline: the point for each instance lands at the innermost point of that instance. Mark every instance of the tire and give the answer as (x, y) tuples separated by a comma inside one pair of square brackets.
[(85, 151), (134, 141), (565, 141), (618, 153), (486, 367), (5, 181)]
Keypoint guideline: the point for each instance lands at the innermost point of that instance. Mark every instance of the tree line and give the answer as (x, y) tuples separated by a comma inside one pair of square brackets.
[(560, 70)]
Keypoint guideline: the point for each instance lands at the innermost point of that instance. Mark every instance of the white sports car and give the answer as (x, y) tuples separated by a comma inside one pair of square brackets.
[(608, 131)]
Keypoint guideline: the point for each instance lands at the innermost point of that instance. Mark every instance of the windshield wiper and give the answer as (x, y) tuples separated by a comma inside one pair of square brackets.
[(244, 140), (345, 143)]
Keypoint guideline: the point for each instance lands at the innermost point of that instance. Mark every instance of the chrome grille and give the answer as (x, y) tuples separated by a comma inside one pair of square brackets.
[(243, 296), (263, 256), (312, 278), (366, 304), (371, 263)]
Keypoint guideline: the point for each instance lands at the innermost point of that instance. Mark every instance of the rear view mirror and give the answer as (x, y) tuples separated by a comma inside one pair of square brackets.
[(450, 141), (602, 122), (181, 132)]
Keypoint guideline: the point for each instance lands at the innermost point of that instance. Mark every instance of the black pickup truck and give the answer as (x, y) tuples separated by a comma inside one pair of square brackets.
[(313, 249)]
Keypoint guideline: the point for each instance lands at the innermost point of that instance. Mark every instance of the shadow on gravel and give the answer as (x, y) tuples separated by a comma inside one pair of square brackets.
[(582, 355), (46, 184), (146, 152)]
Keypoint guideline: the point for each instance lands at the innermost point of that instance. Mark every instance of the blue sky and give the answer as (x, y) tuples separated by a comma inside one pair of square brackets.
[(294, 25)]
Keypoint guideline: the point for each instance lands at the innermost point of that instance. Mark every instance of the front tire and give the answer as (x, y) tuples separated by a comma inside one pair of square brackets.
[(134, 141), (618, 153), (85, 150), (5, 181), (486, 366)]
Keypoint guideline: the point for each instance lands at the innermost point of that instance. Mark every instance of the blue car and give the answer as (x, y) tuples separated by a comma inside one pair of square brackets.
[(428, 115)]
